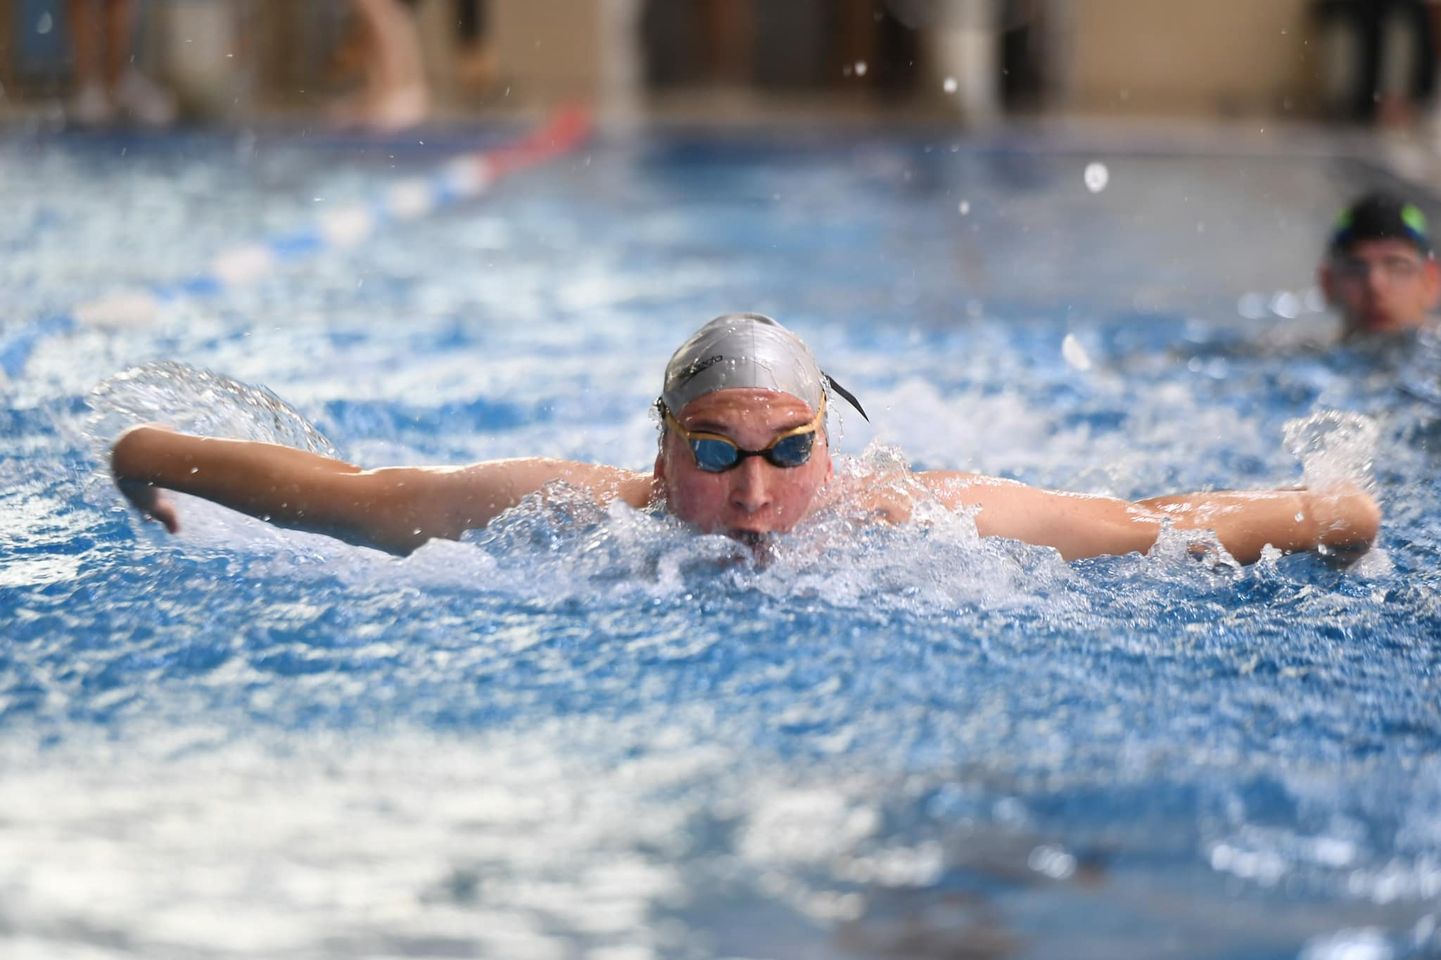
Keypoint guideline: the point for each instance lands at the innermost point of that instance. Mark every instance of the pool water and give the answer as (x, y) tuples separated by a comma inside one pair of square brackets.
[(588, 732)]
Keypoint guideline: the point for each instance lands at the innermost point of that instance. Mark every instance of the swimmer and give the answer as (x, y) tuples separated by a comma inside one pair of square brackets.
[(1380, 272), (744, 451)]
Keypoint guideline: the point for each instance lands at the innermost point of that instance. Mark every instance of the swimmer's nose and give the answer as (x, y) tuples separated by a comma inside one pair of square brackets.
[(751, 486)]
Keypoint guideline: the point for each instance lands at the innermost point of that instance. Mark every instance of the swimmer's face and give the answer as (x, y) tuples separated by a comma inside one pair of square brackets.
[(756, 497), (1381, 286)]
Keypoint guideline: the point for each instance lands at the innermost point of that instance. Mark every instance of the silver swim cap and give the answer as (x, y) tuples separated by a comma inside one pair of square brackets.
[(742, 350)]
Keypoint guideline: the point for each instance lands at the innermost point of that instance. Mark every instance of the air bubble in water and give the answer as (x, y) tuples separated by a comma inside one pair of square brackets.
[(1097, 176)]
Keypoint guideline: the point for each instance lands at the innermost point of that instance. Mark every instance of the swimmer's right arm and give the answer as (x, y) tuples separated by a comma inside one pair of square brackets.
[(395, 508)]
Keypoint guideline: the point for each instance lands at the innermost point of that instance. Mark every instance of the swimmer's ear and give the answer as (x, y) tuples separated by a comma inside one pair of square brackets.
[(1431, 277)]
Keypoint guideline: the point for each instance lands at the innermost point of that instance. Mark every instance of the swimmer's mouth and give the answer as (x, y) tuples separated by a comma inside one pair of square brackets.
[(760, 544), (751, 538)]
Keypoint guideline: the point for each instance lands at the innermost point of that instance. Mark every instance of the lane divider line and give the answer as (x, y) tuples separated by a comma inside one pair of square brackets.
[(457, 180)]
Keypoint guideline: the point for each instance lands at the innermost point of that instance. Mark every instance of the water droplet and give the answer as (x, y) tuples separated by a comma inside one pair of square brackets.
[(964, 207), (1074, 354), (45, 24), (861, 68), (1096, 177), (950, 86)]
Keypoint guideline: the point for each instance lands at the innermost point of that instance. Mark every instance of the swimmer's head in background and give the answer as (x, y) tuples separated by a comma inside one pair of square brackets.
[(746, 350), (1380, 216)]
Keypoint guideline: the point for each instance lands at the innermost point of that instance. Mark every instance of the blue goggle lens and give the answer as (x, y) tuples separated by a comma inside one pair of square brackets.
[(718, 456)]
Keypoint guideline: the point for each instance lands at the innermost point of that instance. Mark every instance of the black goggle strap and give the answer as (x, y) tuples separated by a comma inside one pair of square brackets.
[(846, 395)]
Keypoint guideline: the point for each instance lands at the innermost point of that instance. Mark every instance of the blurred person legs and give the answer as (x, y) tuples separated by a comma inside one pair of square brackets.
[(475, 60), (394, 95), (1392, 83), (107, 81)]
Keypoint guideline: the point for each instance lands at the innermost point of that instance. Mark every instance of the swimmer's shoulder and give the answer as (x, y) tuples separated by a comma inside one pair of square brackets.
[(505, 482), (604, 482), (892, 496)]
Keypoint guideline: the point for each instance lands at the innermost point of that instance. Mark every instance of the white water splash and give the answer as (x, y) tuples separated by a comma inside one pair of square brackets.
[(1336, 449)]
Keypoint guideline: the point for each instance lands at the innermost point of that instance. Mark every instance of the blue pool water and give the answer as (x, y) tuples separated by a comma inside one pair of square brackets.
[(591, 733)]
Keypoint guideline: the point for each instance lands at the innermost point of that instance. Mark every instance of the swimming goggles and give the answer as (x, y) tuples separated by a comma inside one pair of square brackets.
[(1391, 267), (715, 453)]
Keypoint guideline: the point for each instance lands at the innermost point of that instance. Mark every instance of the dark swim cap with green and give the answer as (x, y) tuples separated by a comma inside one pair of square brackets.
[(745, 350), (1381, 216)]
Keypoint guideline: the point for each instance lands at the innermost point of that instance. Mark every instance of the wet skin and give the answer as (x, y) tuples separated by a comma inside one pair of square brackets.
[(400, 508), (1381, 286), (756, 497)]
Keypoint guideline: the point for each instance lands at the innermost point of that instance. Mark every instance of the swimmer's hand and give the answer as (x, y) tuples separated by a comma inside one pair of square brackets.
[(1347, 520), (143, 495), (152, 503)]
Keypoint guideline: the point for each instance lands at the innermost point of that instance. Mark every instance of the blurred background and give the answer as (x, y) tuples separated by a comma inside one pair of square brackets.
[(391, 64)]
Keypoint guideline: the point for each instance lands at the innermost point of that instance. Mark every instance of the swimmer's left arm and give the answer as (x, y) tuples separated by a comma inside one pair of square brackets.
[(1343, 521)]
